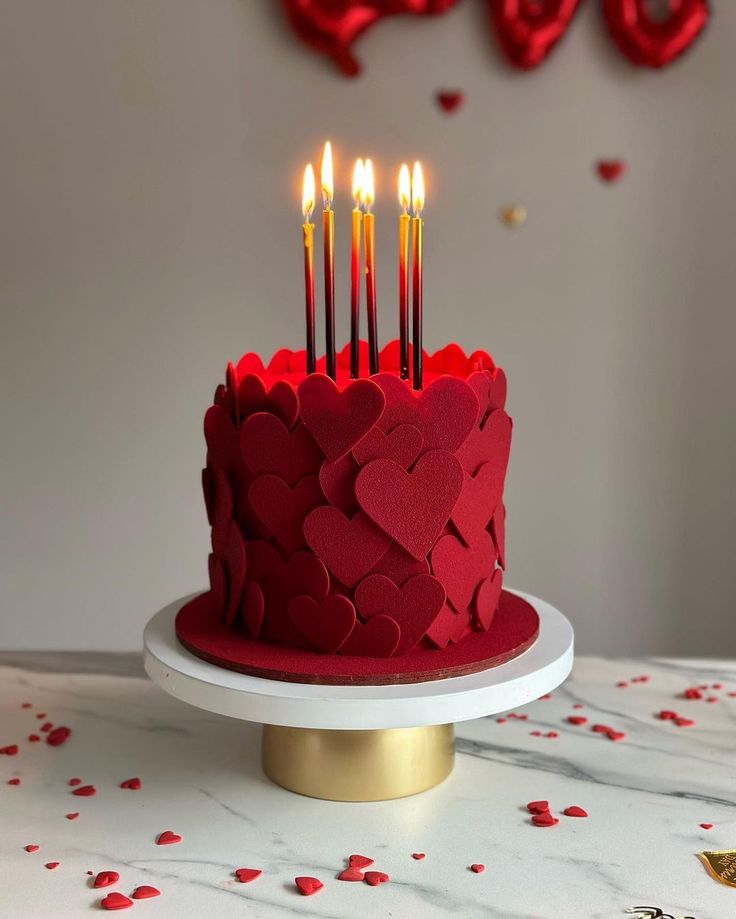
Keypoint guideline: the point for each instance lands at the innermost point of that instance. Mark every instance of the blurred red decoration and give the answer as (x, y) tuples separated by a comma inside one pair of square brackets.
[(527, 30), (649, 42)]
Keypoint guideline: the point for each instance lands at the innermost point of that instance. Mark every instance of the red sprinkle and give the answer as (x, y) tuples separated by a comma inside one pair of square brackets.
[(374, 878), (577, 719), (11, 750), (732, 695), (553, 735), (58, 736), (707, 826), (712, 699), (246, 875), (72, 816), (478, 868), (307, 886), (601, 728), (684, 722), (74, 781), (33, 738), (51, 865), (116, 901), (41, 716), (418, 855), (667, 715), (45, 728), (31, 848), (615, 735), (26, 705), (538, 807), (351, 874), (692, 693), (500, 721), (145, 892), (535, 733), (547, 695), (85, 791), (13, 781), (716, 686), (523, 717), (578, 705), (622, 684), (167, 838), (545, 819), (575, 811), (106, 878), (132, 784), (359, 861)]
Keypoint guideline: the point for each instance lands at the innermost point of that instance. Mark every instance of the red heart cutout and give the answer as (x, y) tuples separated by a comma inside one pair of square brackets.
[(538, 807), (58, 736), (448, 627), (610, 170), (576, 811), (477, 868), (462, 568), (350, 874), (649, 42), (31, 848), (379, 637), (282, 509), (490, 387), (218, 585), (479, 498), (374, 878), (489, 444), (349, 547), (403, 445), (168, 838), (414, 606), (106, 879), (545, 819), (411, 507), (360, 861), (85, 791), (307, 886), (279, 581), (115, 901), (449, 100), (527, 32), (132, 784), (234, 563), (487, 599), (280, 400), (398, 565), (245, 875), (223, 448), (252, 609), (444, 412), (326, 625), (498, 532), (268, 447), (338, 483), (145, 892), (338, 420)]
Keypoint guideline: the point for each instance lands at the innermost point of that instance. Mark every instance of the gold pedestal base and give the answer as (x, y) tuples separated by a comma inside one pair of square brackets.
[(358, 765)]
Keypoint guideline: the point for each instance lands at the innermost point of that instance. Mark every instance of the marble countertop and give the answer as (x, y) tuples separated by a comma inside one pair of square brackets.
[(646, 796)]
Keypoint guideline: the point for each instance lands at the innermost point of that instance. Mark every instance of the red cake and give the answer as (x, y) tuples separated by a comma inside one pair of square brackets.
[(357, 525)]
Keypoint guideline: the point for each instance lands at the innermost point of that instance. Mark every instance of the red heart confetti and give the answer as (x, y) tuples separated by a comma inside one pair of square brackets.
[(684, 722), (477, 868), (106, 878), (13, 781), (31, 848), (577, 719), (85, 791), (336, 419), (246, 875), (52, 865), (10, 750), (575, 811), (33, 738), (132, 784), (374, 878), (282, 509), (350, 874), (418, 856), (706, 826), (45, 728), (449, 100), (692, 693), (26, 705), (325, 625), (615, 735), (379, 637), (359, 861), (72, 816), (167, 838), (307, 886), (545, 819), (40, 715), (349, 547), (58, 736), (667, 715), (403, 445), (116, 901), (414, 606), (74, 781), (538, 807), (610, 170)]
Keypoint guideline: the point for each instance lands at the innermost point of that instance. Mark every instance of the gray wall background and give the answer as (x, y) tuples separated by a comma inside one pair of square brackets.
[(150, 159)]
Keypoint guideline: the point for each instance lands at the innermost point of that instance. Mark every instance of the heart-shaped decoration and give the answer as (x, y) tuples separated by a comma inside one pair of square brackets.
[(85, 791), (338, 483), (487, 598), (489, 444), (403, 445), (449, 627), (527, 32), (252, 609), (307, 886), (106, 879), (223, 449), (268, 447), (349, 547), (336, 419), (218, 586), (413, 507), (498, 532), (168, 838), (461, 568), (234, 563), (133, 784), (350, 874), (414, 606), (359, 861), (282, 509), (374, 878), (444, 412), (379, 637), (479, 498), (649, 42), (246, 875), (280, 400), (449, 100), (326, 625), (116, 901), (610, 170), (513, 215), (31, 848), (490, 388), (398, 565), (145, 892)]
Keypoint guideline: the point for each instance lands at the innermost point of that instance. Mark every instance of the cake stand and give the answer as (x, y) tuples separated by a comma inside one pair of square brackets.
[(359, 743)]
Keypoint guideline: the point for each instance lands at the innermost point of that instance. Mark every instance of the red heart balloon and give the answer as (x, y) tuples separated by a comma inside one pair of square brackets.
[(649, 42), (528, 30)]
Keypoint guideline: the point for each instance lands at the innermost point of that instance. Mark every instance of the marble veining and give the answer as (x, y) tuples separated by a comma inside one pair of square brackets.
[(646, 797)]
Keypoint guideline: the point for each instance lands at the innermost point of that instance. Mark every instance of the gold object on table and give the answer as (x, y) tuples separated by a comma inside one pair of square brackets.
[(720, 865), (358, 765)]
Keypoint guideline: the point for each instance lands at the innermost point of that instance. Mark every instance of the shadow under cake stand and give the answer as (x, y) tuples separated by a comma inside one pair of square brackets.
[(359, 743)]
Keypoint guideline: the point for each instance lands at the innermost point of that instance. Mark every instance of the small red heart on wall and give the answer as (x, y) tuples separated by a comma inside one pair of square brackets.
[(449, 100), (610, 170)]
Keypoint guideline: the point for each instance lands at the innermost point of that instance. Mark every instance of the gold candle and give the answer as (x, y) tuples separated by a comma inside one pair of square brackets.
[(328, 244), (357, 217), (308, 232)]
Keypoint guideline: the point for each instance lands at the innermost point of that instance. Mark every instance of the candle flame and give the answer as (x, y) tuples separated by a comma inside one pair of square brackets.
[(326, 175), (368, 193), (417, 189), (308, 192), (404, 187), (358, 172)]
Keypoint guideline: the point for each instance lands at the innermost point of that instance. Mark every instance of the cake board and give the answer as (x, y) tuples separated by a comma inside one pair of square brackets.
[(359, 743)]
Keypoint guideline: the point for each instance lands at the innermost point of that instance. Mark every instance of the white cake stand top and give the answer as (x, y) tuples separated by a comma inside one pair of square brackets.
[(537, 671)]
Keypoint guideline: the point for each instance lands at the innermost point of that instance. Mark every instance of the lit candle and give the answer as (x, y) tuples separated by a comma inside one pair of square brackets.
[(355, 271), (417, 202), (308, 229), (368, 197), (328, 244), (404, 219)]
